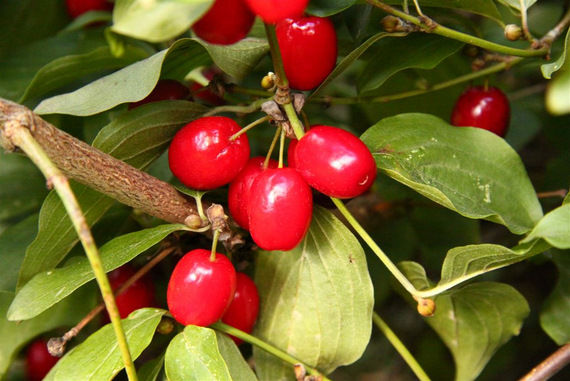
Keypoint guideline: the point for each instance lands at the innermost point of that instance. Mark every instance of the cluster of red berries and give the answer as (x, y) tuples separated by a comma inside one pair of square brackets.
[(308, 44), (205, 288), (274, 204)]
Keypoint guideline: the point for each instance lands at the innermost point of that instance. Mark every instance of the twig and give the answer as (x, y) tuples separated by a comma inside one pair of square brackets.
[(549, 367), (555, 193), (18, 133), (60, 342), (98, 170)]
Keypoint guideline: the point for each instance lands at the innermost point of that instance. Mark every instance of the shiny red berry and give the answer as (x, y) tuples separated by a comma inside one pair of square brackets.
[(200, 290), (308, 48), (484, 108), (165, 89), (239, 192), (272, 11), (242, 312), (140, 294), (38, 361), (280, 209), (76, 8), (335, 162), (225, 23), (202, 155)]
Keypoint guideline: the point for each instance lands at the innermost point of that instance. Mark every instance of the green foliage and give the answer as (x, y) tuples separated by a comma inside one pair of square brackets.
[(460, 201), (320, 292)]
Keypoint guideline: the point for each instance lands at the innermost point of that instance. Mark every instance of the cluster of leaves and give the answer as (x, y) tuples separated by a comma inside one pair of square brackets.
[(460, 201)]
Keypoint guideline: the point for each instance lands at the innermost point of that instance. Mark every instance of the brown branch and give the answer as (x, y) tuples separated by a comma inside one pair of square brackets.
[(549, 367), (98, 170)]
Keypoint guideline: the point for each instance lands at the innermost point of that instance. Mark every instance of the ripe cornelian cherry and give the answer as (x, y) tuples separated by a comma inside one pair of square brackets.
[(486, 108), (38, 361), (335, 162), (280, 209), (140, 294), (242, 312), (272, 11), (225, 23), (200, 290), (308, 49), (76, 8), (202, 155), (165, 89), (239, 192)]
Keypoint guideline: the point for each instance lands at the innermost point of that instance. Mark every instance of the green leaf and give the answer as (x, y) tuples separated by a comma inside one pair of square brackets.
[(151, 369), (64, 71), (136, 81), (22, 186), (13, 243), (325, 8), (560, 63), (350, 59), (238, 367), (193, 355), (39, 293), (554, 228), (554, 316), (99, 358), (417, 50), (16, 334), (557, 100), (319, 294), (515, 4), (468, 170), (157, 21), (19, 67), (483, 7), (474, 321), (466, 262), (137, 137)]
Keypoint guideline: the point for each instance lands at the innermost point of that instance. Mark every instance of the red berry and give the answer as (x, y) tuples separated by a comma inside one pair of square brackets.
[(201, 290), (139, 295), (242, 312), (484, 108), (38, 360), (280, 209), (239, 193), (202, 156), (165, 89), (272, 11), (308, 49), (227, 22), (335, 162), (76, 8)]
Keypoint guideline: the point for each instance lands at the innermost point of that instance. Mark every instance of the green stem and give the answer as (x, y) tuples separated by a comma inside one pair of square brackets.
[(272, 147), (253, 107), (379, 253), (219, 326), (276, 55), (408, 94), (24, 140), (214, 245), (281, 148), (249, 127), (400, 347), (450, 33), (294, 120)]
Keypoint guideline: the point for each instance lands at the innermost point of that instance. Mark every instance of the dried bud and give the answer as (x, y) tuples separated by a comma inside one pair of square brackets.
[(268, 81), (56, 346), (166, 326), (392, 24), (426, 307), (193, 221), (513, 32)]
